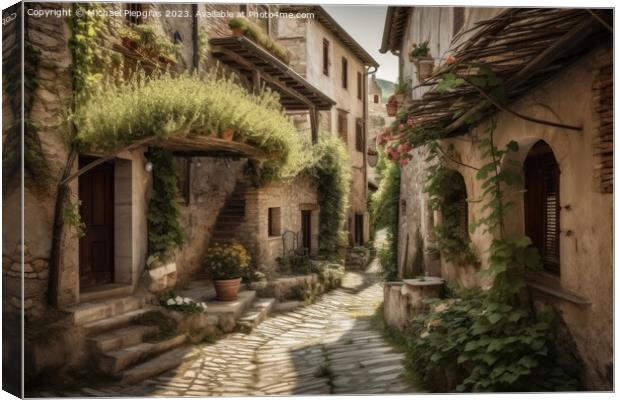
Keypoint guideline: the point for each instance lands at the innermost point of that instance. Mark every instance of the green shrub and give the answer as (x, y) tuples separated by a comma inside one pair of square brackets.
[(474, 344), (332, 171), (256, 34), (227, 261), (384, 211), (187, 105)]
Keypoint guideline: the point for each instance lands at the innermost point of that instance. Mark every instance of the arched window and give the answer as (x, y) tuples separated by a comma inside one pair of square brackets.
[(542, 204), (454, 208)]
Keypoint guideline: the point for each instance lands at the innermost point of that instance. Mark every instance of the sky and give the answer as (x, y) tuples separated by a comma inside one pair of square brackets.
[(365, 25)]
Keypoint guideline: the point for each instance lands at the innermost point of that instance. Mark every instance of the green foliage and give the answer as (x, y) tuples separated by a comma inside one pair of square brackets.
[(71, 216), (89, 55), (443, 187), (188, 105), (332, 171), (167, 326), (148, 43), (257, 34), (475, 344), (420, 50), (165, 233), (227, 261), (384, 212)]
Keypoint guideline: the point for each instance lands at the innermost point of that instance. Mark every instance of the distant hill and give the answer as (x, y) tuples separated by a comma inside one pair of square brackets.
[(387, 88)]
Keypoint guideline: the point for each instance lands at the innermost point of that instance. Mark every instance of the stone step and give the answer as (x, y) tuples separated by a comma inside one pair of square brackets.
[(88, 312), (118, 321), (164, 362), (112, 362), (111, 291), (235, 308), (255, 315), (123, 337), (286, 306)]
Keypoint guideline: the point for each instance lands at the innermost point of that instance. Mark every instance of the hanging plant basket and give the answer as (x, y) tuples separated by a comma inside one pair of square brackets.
[(425, 66)]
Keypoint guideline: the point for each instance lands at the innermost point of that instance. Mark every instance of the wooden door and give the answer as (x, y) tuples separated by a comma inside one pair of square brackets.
[(542, 204), (306, 229), (359, 229), (96, 191)]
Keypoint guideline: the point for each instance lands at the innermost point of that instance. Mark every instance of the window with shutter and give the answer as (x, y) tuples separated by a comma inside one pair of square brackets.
[(342, 126), (359, 135), (325, 57), (542, 204)]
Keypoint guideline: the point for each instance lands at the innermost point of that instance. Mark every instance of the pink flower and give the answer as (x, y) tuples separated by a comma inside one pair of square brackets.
[(401, 127), (450, 60)]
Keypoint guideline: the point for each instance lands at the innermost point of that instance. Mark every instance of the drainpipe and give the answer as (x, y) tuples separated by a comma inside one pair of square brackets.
[(196, 56)]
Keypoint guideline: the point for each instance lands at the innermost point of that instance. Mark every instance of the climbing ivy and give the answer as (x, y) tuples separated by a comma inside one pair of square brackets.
[(165, 232), (384, 211), (332, 171)]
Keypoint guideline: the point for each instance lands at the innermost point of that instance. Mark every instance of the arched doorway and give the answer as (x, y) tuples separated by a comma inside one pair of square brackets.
[(541, 203)]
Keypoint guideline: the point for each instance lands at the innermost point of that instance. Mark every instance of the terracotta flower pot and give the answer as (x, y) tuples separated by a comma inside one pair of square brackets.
[(237, 32), (425, 68), (227, 289), (228, 134)]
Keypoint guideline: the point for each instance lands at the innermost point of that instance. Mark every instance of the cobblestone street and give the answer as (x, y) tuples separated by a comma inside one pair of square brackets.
[(327, 347)]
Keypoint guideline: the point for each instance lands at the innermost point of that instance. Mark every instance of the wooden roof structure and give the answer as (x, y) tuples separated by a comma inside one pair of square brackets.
[(524, 47), (255, 63), (396, 21)]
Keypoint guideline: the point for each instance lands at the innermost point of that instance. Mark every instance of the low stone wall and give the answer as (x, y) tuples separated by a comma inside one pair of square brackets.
[(358, 258), (402, 302)]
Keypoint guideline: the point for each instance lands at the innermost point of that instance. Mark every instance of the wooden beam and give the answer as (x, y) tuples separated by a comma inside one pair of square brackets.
[(314, 125), (105, 158)]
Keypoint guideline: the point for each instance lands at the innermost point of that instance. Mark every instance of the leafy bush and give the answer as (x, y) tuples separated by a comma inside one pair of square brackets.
[(420, 50), (227, 261), (475, 344), (384, 212), (256, 34), (165, 233), (332, 171), (186, 105)]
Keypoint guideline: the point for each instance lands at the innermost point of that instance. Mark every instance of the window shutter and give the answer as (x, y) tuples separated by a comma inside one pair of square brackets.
[(551, 248)]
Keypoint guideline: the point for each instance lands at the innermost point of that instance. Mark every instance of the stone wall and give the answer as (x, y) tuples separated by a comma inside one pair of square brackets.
[(212, 180)]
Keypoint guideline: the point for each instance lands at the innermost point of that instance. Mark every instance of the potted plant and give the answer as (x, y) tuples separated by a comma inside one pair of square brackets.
[(228, 134), (420, 55), (227, 264), (401, 90), (237, 26)]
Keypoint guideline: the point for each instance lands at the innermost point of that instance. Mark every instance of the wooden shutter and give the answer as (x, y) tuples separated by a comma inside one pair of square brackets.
[(542, 204), (342, 126), (325, 57), (359, 135)]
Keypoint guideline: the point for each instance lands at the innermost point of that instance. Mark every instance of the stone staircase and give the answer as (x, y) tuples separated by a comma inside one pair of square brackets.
[(231, 216), (122, 348)]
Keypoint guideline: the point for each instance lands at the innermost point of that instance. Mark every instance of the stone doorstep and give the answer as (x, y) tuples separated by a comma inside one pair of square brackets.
[(118, 321), (111, 291), (236, 307), (112, 362), (85, 313), (255, 315), (123, 337), (163, 362)]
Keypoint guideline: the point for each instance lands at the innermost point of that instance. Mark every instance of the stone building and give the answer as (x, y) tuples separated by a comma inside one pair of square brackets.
[(89, 275), (377, 121), (566, 207), (329, 58)]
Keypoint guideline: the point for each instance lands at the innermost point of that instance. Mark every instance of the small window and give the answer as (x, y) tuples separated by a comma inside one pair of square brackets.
[(325, 57), (359, 85), (375, 99), (458, 19), (243, 9), (343, 130), (345, 73), (359, 135), (183, 175), (134, 15), (274, 224)]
